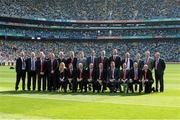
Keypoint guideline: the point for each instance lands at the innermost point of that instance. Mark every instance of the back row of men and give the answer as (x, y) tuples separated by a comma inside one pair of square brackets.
[(93, 73)]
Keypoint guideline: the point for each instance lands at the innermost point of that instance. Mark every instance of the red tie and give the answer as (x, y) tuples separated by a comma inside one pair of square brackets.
[(80, 74), (100, 74), (145, 75), (90, 74), (113, 74), (136, 74), (124, 76), (51, 65), (126, 60)]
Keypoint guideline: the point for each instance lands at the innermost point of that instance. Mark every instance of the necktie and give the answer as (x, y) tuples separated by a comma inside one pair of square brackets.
[(51, 65), (41, 65), (90, 74), (126, 61), (124, 76), (92, 59), (112, 74), (156, 63), (136, 74), (80, 74), (145, 75), (33, 65), (100, 74)]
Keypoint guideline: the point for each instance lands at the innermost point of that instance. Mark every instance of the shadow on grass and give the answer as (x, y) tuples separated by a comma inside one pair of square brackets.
[(12, 92)]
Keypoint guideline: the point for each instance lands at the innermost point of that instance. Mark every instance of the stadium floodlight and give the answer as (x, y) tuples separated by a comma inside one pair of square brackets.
[(38, 38)]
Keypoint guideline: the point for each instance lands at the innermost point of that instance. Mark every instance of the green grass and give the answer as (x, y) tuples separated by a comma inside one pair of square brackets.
[(39, 105)]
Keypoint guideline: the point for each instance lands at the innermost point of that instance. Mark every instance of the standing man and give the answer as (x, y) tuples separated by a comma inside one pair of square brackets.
[(128, 61), (52, 71), (159, 71), (31, 69), (149, 60), (139, 61), (41, 69), (103, 59), (92, 59), (72, 59), (116, 59), (20, 71), (62, 58)]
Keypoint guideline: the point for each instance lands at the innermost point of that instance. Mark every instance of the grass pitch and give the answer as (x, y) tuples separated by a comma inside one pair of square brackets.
[(40, 105)]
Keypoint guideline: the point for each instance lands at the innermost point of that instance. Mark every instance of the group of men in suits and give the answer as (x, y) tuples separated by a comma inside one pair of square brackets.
[(93, 73)]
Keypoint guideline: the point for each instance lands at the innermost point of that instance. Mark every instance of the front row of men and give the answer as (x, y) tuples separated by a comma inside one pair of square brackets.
[(54, 75)]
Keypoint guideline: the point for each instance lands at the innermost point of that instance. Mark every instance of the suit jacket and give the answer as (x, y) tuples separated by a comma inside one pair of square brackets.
[(131, 62), (72, 74), (83, 74), (140, 63), (150, 63), (132, 75), (127, 74), (62, 60), (117, 61), (149, 76), (89, 61), (104, 61), (83, 61), (103, 75), (38, 66), (55, 66), (93, 74), (116, 74), (161, 66), (69, 60), (28, 65), (19, 63)]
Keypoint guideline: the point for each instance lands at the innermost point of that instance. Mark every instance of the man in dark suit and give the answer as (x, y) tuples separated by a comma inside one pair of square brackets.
[(91, 77), (113, 77), (31, 69), (136, 77), (92, 59), (52, 71), (101, 78), (81, 59), (72, 59), (147, 80), (128, 61), (81, 77), (61, 58), (159, 71), (139, 61), (116, 59), (20, 71), (103, 59), (41, 69), (124, 78), (72, 78), (148, 60)]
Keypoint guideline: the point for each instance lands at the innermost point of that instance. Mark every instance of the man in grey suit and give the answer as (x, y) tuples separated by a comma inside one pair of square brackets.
[(148, 60)]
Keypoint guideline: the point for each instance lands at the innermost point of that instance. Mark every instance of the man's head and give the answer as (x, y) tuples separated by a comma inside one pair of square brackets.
[(135, 65)]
